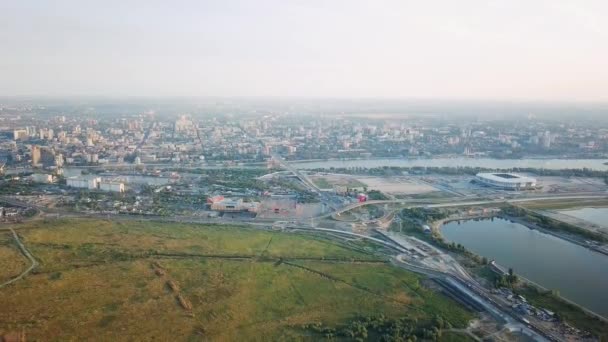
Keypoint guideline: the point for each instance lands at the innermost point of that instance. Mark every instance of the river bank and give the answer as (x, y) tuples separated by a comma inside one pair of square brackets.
[(491, 163), (541, 259)]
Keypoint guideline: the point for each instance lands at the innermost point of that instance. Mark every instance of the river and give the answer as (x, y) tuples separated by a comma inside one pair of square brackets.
[(554, 164), (579, 274), (129, 179)]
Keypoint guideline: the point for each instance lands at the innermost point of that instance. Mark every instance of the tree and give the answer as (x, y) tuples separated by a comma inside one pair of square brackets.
[(439, 322), (512, 277)]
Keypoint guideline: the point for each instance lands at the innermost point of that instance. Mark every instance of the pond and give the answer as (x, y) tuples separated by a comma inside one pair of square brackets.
[(579, 274)]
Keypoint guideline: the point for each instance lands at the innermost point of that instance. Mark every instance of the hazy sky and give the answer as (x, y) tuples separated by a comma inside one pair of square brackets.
[(511, 49)]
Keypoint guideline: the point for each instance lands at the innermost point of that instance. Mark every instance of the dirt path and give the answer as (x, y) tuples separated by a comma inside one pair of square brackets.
[(27, 254)]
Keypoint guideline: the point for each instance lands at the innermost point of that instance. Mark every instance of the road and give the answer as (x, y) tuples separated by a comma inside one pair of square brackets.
[(476, 293), (463, 283), (467, 203), (302, 177), (457, 278), (325, 197)]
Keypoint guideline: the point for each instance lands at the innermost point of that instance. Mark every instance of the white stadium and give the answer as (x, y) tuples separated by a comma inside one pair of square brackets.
[(507, 181)]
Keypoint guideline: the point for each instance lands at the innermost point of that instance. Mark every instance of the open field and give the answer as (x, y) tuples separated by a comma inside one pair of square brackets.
[(556, 184), (327, 181), (322, 183), (12, 262), (396, 185), (128, 280)]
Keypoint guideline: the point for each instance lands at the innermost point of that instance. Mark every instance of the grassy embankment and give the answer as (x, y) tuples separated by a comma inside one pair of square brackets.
[(130, 280)]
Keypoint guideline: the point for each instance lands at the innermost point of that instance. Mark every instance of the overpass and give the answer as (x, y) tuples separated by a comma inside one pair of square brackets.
[(301, 176)]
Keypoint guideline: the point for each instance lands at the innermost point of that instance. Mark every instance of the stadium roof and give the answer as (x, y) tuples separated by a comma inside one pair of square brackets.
[(506, 177)]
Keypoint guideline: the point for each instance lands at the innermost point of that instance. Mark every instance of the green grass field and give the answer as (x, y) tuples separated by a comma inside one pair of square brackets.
[(11, 261), (129, 280), (322, 183)]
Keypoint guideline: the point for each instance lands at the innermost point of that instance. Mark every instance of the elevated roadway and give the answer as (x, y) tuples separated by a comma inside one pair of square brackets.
[(301, 176)]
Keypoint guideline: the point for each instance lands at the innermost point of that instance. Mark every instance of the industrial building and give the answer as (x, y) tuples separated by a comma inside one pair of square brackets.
[(234, 205), (506, 181), (95, 183), (83, 183), (111, 186)]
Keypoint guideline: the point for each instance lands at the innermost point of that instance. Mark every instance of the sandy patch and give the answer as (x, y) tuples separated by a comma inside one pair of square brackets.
[(396, 185)]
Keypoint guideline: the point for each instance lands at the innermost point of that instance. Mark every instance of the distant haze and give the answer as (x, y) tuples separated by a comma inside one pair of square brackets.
[(552, 50)]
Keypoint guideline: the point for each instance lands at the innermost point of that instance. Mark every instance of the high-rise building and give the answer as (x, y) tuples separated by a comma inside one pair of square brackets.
[(547, 139), (183, 124), (20, 134), (31, 131), (62, 136), (59, 160), (35, 155), (46, 133), (47, 156)]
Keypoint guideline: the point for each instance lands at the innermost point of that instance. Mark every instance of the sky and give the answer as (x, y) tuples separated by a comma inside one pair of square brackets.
[(554, 50)]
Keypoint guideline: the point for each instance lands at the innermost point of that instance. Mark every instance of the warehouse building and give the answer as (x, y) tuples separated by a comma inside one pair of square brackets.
[(83, 183), (95, 183)]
